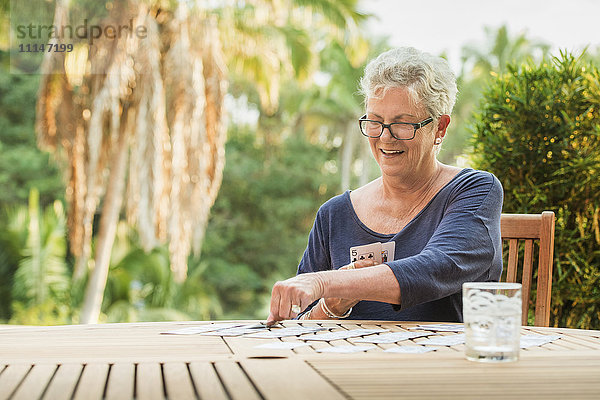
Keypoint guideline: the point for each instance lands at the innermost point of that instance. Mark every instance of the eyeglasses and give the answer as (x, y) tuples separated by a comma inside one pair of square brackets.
[(399, 130)]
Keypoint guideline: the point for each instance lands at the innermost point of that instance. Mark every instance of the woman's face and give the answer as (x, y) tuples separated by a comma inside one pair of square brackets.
[(402, 158)]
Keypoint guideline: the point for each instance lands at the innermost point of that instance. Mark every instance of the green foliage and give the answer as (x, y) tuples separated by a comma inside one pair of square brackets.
[(272, 188), (36, 285), (537, 130), (256, 235), (261, 219), (22, 165), (480, 63), (337, 12), (140, 286), (24, 169), (42, 273), (11, 241)]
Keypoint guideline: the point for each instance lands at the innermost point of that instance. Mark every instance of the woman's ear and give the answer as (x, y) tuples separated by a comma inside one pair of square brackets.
[(443, 123)]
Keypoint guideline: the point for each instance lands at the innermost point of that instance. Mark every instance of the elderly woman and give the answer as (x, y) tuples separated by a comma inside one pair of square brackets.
[(442, 221)]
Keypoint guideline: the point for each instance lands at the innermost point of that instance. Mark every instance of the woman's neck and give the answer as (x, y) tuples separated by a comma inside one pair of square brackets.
[(401, 187)]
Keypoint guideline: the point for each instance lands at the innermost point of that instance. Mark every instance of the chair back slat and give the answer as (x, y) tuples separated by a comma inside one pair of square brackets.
[(546, 260), (521, 226), (513, 260), (527, 228), (527, 275)]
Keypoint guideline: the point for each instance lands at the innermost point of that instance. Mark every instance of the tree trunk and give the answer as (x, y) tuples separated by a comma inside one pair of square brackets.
[(76, 200), (108, 228), (347, 157), (365, 156)]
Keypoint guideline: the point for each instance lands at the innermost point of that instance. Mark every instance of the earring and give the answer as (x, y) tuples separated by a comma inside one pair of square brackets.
[(438, 140)]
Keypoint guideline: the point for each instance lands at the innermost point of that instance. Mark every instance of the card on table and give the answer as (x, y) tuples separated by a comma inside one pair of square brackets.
[(194, 330), (281, 345), (528, 341), (285, 332), (409, 349), (451, 340), (392, 337), (237, 331), (340, 335), (441, 327), (345, 349)]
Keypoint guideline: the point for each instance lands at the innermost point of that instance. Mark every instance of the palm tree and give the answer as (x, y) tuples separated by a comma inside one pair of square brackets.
[(146, 117), (270, 42), (283, 46), (153, 113), (499, 50)]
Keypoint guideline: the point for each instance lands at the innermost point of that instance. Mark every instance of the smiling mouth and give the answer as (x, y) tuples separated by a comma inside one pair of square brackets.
[(391, 152)]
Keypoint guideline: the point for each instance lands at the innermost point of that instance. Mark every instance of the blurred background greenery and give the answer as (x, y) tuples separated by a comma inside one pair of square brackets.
[(292, 143)]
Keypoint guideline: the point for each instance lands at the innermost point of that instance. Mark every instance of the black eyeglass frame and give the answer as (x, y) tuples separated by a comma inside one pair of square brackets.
[(389, 126)]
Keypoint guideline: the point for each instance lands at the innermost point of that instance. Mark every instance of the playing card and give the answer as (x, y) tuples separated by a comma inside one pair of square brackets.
[(444, 340), (262, 325), (537, 340), (284, 332), (239, 331), (441, 327), (339, 335), (345, 349), (409, 349), (194, 330), (391, 337), (281, 345), (387, 251), (366, 252)]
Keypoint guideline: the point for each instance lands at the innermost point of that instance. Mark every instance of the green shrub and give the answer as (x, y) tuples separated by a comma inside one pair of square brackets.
[(538, 130)]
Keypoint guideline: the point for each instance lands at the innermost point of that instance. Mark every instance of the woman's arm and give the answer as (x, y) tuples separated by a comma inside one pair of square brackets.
[(376, 283), (465, 246), (335, 306)]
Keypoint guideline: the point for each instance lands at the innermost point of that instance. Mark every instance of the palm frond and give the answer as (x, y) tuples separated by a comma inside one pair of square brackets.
[(301, 54), (42, 274), (337, 12)]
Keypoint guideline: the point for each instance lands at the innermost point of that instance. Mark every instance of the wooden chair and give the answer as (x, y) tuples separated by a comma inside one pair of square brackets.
[(526, 228)]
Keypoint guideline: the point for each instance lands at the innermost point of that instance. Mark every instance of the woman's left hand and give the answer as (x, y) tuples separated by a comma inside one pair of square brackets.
[(297, 293)]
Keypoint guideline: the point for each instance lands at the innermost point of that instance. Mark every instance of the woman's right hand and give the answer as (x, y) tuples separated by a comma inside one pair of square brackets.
[(302, 290)]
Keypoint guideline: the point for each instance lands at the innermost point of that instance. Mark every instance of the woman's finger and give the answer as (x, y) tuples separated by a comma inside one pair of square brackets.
[(275, 300), (272, 320), (285, 304), (298, 306), (290, 297), (359, 264), (364, 263)]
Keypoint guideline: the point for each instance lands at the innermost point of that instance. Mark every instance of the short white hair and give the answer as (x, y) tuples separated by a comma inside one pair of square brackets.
[(429, 79)]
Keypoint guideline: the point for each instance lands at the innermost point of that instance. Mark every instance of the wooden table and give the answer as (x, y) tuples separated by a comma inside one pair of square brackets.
[(135, 361)]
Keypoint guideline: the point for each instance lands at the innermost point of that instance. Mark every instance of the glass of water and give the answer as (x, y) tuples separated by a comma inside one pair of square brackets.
[(492, 317)]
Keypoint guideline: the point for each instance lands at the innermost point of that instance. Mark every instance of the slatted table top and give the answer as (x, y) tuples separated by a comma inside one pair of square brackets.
[(137, 361)]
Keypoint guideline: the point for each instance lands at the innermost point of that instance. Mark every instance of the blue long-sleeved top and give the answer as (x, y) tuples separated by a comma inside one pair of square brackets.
[(455, 238)]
